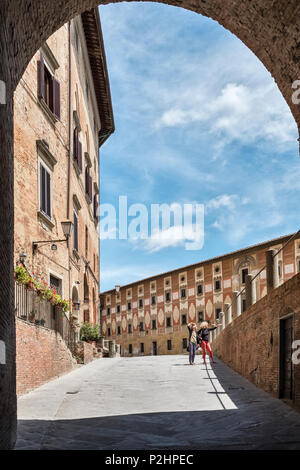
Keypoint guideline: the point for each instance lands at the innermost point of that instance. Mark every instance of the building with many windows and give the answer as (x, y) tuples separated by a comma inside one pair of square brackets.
[(63, 115), (150, 316)]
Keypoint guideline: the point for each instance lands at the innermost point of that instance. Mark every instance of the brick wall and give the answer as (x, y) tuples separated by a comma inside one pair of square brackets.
[(41, 356), (250, 344), (85, 351)]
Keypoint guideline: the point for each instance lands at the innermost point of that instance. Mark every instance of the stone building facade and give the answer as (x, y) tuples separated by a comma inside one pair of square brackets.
[(150, 316), (63, 114)]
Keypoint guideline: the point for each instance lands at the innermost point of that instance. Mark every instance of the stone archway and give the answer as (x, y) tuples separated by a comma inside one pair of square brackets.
[(270, 29)]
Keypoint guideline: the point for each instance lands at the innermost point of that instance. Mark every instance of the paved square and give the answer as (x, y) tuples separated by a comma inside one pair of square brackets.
[(154, 403)]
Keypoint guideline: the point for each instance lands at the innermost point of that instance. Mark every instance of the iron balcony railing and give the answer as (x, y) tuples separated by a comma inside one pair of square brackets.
[(32, 308)]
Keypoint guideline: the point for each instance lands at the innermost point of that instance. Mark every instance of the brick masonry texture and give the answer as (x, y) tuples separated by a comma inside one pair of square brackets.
[(250, 344), (270, 29), (42, 355), (85, 351)]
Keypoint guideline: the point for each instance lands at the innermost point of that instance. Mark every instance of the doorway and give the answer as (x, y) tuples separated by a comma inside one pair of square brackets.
[(154, 348)]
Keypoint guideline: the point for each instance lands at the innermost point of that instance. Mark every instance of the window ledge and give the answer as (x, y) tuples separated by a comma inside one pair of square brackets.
[(76, 167), (47, 111), (45, 153), (76, 254), (45, 219), (88, 200)]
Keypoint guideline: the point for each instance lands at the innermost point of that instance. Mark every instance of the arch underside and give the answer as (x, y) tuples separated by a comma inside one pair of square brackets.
[(270, 29)]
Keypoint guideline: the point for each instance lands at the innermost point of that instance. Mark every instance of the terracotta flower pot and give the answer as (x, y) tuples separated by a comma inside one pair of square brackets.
[(30, 285)]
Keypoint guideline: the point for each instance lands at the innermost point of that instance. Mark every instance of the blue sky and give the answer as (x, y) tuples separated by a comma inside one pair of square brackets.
[(198, 119)]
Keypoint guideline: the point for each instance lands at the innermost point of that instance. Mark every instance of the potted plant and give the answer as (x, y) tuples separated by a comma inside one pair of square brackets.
[(31, 316)]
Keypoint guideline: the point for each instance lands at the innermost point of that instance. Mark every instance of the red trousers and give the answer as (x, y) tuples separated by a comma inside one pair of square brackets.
[(206, 347)]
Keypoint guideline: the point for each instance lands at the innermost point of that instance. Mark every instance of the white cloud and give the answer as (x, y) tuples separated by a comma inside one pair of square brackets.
[(174, 236), (248, 114), (223, 200)]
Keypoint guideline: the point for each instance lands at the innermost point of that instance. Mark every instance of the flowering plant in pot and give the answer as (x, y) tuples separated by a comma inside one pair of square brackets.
[(22, 274)]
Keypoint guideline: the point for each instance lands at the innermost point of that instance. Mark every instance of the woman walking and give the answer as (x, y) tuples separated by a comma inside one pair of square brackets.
[(193, 340), (204, 336)]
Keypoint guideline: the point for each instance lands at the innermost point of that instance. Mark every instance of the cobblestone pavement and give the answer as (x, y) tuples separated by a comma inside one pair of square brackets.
[(154, 403)]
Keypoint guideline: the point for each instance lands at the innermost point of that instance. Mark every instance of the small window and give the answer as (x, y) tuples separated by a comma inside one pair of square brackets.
[(129, 328), (48, 88), (130, 348), (95, 211), (298, 265), (169, 344), (88, 184), (243, 305), (119, 330), (182, 278), (86, 242), (280, 269), (218, 311), (153, 324), (129, 306), (244, 274), (184, 343), (76, 40), (153, 300), (140, 303), (108, 331), (77, 149), (200, 316), (142, 347), (183, 319), (168, 296), (45, 191), (75, 231), (169, 322), (118, 308), (218, 285), (56, 284), (200, 289), (86, 316), (108, 310), (141, 326), (183, 293)]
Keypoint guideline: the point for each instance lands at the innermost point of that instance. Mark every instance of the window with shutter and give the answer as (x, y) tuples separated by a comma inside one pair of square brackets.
[(87, 174), (75, 232), (90, 188), (45, 191), (96, 207), (79, 161), (75, 144), (56, 97), (41, 78), (48, 88)]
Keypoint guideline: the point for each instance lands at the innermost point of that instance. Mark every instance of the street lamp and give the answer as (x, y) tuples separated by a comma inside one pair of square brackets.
[(67, 227)]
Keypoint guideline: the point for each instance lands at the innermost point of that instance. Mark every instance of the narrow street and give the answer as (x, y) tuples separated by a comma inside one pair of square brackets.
[(154, 403)]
